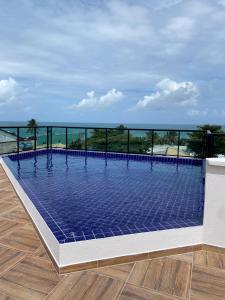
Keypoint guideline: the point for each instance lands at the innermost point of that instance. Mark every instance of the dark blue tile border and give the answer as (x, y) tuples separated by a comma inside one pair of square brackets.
[(111, 155)]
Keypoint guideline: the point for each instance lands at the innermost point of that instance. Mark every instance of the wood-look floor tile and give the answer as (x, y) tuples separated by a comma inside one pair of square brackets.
[(165, 275), (32, 278), (118, 271), (3, 180), (210, 259), (137, 275), (207, 284), (87, 286), (22, 239), (188, 257), (6, 188), (64, 286), (5, 297), (17, 214), (8, 258), (10, 198), (6, 206), (5, 184), (169, 276), (131, 292), (29, 226), (41, 252), (7, 226)]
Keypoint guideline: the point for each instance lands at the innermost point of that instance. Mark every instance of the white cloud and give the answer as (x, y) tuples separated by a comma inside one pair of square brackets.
[(10, 91), (93, 102), (170, 94)]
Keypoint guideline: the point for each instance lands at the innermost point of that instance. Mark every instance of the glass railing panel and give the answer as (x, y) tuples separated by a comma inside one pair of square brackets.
[(42, 138), (140, 141), (96, 139), (26, 138), (218, 145), (58, 137), (117, 140), (8, 140), (165, 142), (76, 138), (192, 144)]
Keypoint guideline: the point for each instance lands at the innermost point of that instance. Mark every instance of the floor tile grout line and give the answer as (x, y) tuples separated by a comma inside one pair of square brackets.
[(5, 294), (157, 292), (192, 266), (100, 274), (20, 285), (176, 258), (8, 211), (60, 282), (125, 282), (13, 248), (13, 265), (11, 231), (7, 219), (163, 293), (72, 285), (211, 268)]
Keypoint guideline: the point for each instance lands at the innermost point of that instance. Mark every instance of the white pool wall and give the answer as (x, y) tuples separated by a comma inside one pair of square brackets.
[(214, 211), (98, 249)]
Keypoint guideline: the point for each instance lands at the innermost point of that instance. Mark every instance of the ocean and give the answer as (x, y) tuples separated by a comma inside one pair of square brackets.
[(108, 125), (59, 137)]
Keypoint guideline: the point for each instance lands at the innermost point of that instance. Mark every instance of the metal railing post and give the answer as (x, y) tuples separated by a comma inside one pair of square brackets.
[(66, 137), (152, 142), (209, 144), (35, 138), (18, 139), (85, 139), (106, 140), (47, 137), (128, 141), (178, 146)]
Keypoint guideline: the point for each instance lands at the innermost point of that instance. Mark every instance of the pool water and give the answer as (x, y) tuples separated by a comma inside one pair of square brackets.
[(85, 196)]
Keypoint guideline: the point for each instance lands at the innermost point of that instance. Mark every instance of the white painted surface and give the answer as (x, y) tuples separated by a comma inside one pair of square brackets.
[(220, 162), (214, 212), (90, 250)]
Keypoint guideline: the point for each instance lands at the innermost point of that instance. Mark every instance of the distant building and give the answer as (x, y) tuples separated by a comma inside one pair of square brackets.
[(8, 141)]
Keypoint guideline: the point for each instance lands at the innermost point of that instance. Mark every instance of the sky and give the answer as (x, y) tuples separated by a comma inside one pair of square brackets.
[(119, 61)]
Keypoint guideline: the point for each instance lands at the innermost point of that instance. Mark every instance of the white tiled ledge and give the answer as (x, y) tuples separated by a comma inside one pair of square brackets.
[(220, 162)]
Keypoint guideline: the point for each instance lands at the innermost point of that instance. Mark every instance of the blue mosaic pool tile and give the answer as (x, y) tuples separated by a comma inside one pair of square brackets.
[(110, 155), (89, 195)]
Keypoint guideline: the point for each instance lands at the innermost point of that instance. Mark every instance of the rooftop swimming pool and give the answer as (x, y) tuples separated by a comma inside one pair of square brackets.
[(90, 195)]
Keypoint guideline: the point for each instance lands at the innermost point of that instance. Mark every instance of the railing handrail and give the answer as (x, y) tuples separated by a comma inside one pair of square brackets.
[(218, 133), (108, 128)]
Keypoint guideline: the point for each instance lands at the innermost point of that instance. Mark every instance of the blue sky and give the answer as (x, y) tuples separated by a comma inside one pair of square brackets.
[(113, 61)]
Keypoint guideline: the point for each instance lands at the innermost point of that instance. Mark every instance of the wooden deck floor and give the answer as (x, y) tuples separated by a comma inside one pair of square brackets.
[(26, 272)]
